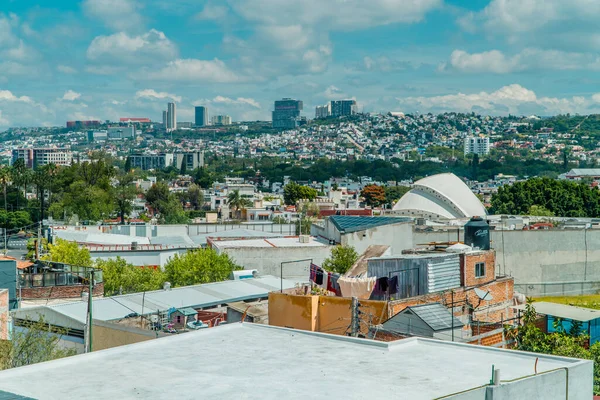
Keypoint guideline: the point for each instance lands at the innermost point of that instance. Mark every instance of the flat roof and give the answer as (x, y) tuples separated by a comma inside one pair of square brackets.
[(563, 311), (197, 296), (266, 243), (263, 362)]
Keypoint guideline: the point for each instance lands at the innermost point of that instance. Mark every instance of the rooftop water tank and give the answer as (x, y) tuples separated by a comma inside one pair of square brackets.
[(477, 233)]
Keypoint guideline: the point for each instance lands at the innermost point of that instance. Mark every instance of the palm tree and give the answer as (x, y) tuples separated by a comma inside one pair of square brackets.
[(235, 200), (5, 179)]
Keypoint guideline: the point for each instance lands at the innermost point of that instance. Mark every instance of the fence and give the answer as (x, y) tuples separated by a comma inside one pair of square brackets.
[(558, 288)]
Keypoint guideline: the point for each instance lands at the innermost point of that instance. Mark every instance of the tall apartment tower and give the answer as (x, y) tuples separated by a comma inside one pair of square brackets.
[(201, 114), (171, 117), (286, 113), (479, 145), (343, 108), (165, 118)]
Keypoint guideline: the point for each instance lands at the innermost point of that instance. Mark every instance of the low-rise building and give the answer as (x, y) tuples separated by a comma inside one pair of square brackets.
[(414, 368), (38, 157)]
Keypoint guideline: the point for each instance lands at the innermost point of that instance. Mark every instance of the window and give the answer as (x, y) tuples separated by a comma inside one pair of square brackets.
[(479, 270)]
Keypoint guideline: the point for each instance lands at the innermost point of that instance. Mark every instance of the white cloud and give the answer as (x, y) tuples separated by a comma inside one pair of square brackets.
[(192, 70), (65, 69), (213, 11), (71, 95), (12, 47), (120, 15), (153, 94), (334, 14), (513, 99), (123, 48), (7, 96), (497, 62), (334, 93), (563, 24), (383, 64), (239, 101)]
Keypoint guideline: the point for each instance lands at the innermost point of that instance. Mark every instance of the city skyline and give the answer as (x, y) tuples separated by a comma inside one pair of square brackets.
[(104, 59)]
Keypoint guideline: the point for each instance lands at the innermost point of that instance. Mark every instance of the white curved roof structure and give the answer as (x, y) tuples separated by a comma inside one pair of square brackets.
[(442, 196)]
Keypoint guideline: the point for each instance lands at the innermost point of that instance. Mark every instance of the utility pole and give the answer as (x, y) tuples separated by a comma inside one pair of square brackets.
[(452, 313), (355, 324), (88, 344), (39, 241)]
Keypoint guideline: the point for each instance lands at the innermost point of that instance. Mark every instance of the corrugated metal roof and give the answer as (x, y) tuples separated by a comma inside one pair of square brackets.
[(563, 311), (435, 315), (198, 296), (348, 224)]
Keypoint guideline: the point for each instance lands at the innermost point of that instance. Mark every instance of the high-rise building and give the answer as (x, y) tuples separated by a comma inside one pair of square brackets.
[(201, 113), (286, 113), (343, 108), (220, 120), (165, 118), (323, 111), (171, 117), (477, 145)]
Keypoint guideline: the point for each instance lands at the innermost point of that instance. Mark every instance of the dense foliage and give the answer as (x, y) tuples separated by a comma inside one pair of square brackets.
[(341, 260), (120, 277), (374, 195), (558, 197), (566, 343), (293, 192), (199, 266), (32, 346)]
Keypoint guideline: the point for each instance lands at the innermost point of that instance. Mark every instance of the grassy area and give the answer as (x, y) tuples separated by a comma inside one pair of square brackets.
[(589, 301)]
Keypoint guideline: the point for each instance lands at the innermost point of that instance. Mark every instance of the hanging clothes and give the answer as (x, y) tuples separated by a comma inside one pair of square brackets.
[(332, 283), (319, 277), (313, 272), (357, 287)]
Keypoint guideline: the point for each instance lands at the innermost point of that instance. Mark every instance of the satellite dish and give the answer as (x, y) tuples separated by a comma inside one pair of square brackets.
[(483, 295)]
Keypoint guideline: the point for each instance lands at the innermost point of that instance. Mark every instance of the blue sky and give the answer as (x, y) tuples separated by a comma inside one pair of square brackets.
[(105, 59)]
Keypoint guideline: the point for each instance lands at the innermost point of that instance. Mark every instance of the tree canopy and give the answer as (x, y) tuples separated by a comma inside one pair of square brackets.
[(341, 260), (67, 252), (292, 192), (199, 266), (558, 197), (374, 195)]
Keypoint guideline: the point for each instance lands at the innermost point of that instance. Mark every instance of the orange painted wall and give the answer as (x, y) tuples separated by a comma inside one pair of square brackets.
[(290, 311), (322, 313)]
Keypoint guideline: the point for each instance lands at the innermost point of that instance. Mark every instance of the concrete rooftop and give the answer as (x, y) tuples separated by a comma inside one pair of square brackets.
[(261, 362), (266, 243)]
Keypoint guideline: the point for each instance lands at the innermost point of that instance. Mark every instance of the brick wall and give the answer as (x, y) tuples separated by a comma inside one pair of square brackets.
[(494, 338), (494, 310), (3, 314), (468, 262), (60, 292)]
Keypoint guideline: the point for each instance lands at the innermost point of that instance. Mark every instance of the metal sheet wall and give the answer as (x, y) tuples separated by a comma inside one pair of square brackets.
[(417, 275)]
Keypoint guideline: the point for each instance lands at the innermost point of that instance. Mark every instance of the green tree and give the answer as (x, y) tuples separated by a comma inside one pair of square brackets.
[(292, 192), (125, 193), (395, 193), (195, 196), (199, 266), (341, 260), (279, 220), (127, 167), (374, 195), (69, 253), (540, 211), (38, 343), (183, 169), (121, 277), (237, 202)]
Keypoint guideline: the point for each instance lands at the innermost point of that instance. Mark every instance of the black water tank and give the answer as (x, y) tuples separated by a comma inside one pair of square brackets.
[(477, 233)]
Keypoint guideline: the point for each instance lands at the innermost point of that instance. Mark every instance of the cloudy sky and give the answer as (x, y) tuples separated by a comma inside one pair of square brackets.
[(105, 59)]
